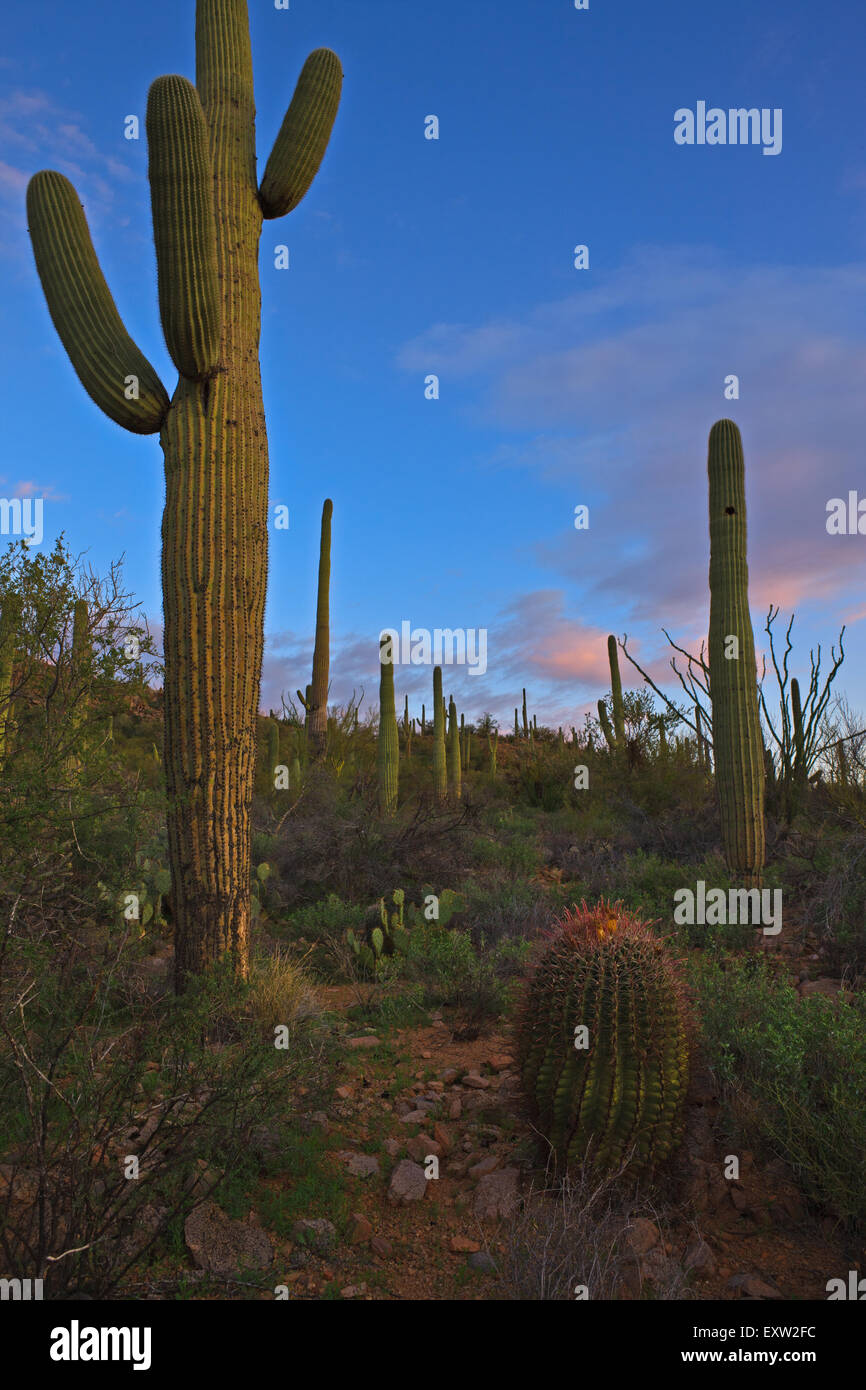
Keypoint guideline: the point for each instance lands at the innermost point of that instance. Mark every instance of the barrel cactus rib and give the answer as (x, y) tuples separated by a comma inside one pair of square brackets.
[(303, 137), (113, 371)]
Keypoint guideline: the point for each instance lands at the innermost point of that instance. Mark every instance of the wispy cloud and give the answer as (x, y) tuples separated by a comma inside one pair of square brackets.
[(616, 388), (37, 133)]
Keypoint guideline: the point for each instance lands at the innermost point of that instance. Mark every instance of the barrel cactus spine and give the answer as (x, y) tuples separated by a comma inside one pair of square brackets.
[(603, 1042), (737, 743), (207, 217)]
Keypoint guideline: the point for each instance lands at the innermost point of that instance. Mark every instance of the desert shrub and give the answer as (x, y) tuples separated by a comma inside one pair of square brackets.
[(574, 1233), (826, 869), (336, 843), (508, 910), (93, 1075), (801, 1064), (454, 973)]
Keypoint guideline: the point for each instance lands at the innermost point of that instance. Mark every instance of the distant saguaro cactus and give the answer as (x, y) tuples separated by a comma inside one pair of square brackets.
[(318, 726), (440, 773), (207, 218), (738, 750), (616, 694), (455, 770), (388, 749)]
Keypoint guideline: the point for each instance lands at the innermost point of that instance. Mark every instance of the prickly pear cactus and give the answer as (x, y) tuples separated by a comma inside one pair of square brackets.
[(603, 1042)]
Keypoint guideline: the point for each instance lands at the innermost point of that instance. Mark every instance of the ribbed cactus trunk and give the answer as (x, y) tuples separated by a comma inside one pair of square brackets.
[(388, 749), (440, 774), (207, 218), (737, 743), (525, 719), (318, 724)]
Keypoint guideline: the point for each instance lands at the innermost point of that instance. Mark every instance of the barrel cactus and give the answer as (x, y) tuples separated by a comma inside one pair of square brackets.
[(602, 1039)]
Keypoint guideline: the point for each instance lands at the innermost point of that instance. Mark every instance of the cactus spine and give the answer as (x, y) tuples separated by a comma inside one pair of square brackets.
[(440, 775), (388, 749), (737, 743), (207, 216), (455, 771), (617, 1094), (317, 731)]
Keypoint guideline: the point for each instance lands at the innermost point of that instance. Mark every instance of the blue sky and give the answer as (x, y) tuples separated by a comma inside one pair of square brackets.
[(558, 386)]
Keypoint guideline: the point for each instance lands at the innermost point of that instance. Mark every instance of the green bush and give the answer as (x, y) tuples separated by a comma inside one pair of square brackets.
[(796, 1073)]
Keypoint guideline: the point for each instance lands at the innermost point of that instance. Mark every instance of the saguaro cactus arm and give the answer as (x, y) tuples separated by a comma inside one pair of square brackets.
[(112, 370), (303, 138), (184, 226)]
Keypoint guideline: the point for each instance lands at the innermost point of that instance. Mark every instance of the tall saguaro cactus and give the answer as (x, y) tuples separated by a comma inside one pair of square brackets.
[(207, 219), (737, 744), (318, 725)]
